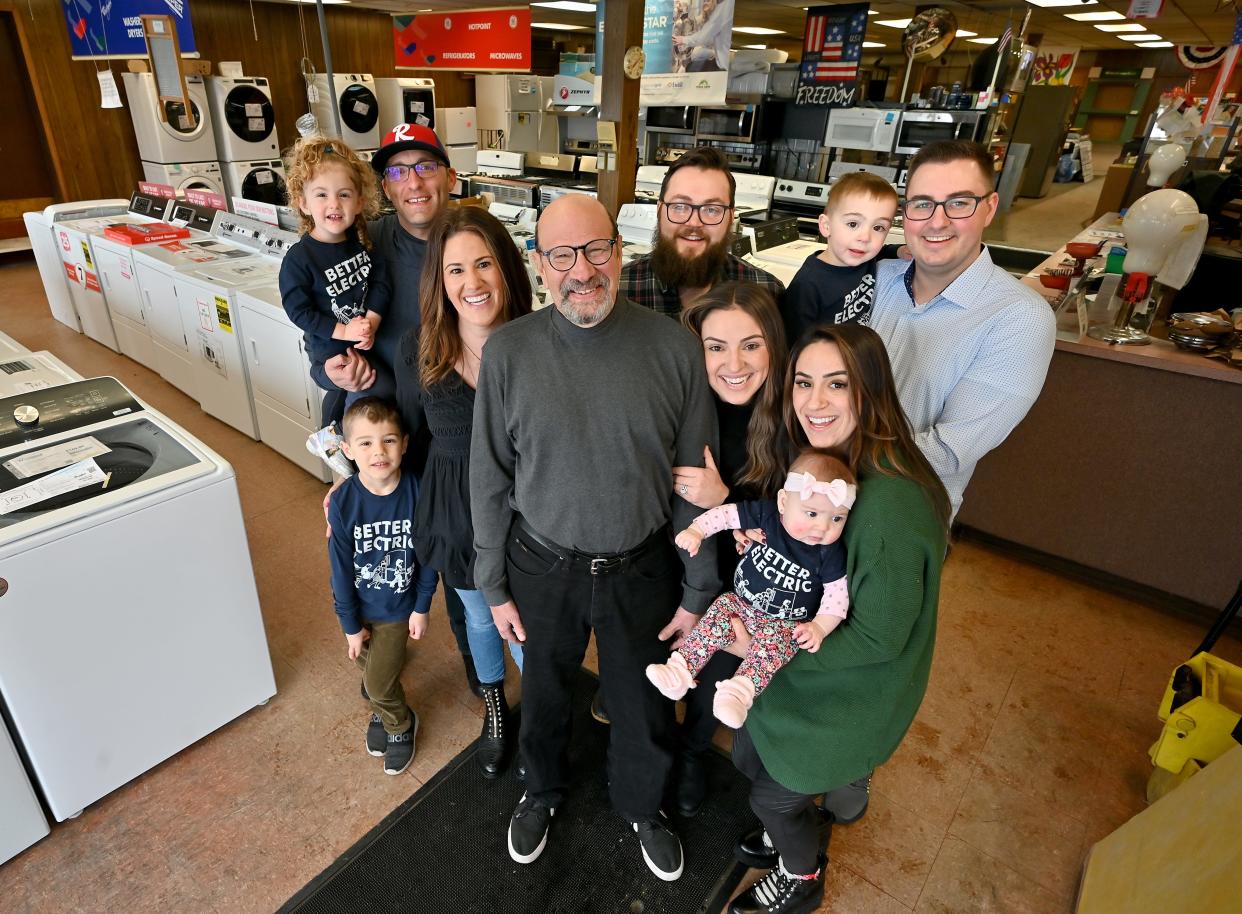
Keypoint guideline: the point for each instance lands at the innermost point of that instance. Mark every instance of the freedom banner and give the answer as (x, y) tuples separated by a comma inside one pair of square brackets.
[(113, 28), (480, 40), (831, 52), (687, 47)]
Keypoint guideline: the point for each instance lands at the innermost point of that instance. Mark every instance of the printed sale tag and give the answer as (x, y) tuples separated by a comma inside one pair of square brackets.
[(76, 476), (204, 314), (55, 457), (223, 318)]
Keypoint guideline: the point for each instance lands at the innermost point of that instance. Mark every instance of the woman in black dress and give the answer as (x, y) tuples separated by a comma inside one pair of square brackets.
[(474, 282)]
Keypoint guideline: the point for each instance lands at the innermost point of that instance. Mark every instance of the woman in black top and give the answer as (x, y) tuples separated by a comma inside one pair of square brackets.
[(474, 282), (745, 353)]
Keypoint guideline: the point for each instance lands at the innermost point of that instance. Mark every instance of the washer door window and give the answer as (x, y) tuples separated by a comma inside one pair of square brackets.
[(359, 108), (264, 185), (183, 125), (198, 183), (249, 114)]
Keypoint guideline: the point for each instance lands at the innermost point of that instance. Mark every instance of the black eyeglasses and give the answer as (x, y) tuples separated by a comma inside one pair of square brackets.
[(564, 256), (961, 206), (401, 172), (709, 213)]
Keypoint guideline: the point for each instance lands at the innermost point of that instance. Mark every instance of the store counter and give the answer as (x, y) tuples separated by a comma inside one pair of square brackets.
[(1129, 466)]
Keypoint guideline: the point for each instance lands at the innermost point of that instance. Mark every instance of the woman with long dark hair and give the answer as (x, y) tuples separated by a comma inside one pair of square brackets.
[(474, 282)]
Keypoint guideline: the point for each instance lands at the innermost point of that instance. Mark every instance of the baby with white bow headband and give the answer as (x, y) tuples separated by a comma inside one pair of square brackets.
[(789, 589)]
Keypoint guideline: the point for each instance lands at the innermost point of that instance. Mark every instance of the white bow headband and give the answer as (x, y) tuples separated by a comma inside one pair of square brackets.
[(839, 492)]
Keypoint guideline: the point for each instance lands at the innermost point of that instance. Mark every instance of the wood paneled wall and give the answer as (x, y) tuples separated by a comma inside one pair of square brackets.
[(93, 150)]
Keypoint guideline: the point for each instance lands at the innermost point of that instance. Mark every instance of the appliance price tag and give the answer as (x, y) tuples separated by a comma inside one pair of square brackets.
[(76, 476), (361, 107), (257, 124), (254, 109), (264, 177), (55, 457)]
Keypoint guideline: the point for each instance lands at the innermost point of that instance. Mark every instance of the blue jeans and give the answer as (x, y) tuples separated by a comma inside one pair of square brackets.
[(486, 645)]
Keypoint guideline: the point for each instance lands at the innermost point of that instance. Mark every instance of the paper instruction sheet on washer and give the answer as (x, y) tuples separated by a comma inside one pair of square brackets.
[(55, 457), (76, 476)]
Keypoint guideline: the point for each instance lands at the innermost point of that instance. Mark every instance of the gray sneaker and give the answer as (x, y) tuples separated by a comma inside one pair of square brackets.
[(377, 738), (399, 751)]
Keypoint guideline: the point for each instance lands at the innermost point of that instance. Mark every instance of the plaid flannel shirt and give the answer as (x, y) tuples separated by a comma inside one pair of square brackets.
[(640, 285)]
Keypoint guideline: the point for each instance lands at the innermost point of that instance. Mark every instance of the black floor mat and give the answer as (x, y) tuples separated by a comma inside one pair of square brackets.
[(444, 850)]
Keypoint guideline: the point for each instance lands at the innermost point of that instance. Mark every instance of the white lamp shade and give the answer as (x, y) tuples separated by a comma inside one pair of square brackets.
[(1154, 226)]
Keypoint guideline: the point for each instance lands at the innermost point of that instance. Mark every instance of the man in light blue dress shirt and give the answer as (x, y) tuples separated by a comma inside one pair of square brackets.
[(970, 344)]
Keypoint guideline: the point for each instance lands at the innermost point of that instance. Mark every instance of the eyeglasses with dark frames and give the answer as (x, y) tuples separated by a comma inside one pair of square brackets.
[(564, 256), (397, 173), (959, 206), (709, 213)]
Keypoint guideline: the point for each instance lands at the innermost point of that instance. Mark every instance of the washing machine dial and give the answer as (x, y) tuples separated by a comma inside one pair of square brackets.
[(26, 415)]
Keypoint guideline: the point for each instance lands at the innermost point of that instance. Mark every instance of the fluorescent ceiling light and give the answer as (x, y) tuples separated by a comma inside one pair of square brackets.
[(1048, 3), (570, 6), (757, 30), (962, 33), (1122, 27), (1146, 36), (983, 40), (869, 12), (557, 25), (756, 47), (1156, 44), (893, 23), (1106, 16), (325, 2), (873, 44)]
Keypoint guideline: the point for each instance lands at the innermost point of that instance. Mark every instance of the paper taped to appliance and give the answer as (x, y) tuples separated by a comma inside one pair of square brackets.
[(76, 476), (51, 458)]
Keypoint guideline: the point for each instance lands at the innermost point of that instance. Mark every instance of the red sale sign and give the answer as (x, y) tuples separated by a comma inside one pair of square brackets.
[(480, 40)]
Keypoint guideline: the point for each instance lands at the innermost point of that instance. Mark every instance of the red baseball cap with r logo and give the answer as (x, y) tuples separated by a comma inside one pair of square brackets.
[(408, 136)]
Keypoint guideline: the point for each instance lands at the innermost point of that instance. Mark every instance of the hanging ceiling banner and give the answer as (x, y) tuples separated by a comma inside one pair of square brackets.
[(480, 40), (686, 43), (1200, 57), (831, 51), (112, 29), (1145, 9)]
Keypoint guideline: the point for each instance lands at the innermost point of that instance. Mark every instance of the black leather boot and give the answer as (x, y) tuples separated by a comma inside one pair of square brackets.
[(754, 850), (493, 741), (780, 893), (691, 783)]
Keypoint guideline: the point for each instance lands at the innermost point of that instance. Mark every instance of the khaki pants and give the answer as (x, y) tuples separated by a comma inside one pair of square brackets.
[(381, 661)]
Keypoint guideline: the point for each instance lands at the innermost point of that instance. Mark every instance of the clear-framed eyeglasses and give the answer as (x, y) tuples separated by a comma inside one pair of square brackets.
[(709, 213), (398, 173), (959, 206), (564, 256)]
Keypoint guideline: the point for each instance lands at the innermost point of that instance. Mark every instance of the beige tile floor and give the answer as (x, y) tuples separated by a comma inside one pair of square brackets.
[(1029, 747)]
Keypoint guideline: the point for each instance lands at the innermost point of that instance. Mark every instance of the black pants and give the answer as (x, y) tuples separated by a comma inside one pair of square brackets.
[(560, 602), (791, 819)]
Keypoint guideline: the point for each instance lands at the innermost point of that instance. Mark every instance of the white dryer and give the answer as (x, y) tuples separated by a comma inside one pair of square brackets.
[(287, 403), (359, 106), (136, 529), (177, 136), (71, 225), (406, 100), (242, 117), (47, 253), (183, 176), (262, 180), (31, 371)]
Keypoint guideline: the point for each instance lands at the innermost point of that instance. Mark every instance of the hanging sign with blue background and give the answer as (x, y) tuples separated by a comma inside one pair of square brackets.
[(113, 28), (831, 51)]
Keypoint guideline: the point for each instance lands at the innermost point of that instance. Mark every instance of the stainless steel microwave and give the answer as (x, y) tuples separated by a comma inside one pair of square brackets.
[(739, 123), (920, 127)]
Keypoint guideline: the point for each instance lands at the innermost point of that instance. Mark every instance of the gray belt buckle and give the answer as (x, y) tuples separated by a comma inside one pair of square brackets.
[(604, 566)]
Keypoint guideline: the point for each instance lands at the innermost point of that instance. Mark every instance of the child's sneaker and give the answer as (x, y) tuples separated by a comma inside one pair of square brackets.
[(377, 738), (400, 748), (326, 445)]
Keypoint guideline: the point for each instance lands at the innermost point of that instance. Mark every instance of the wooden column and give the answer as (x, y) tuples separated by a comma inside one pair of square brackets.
[(623, 29)]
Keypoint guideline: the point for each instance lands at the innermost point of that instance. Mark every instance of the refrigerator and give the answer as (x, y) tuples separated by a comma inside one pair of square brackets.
[(458, 129), (1043, 120), (514, 107)]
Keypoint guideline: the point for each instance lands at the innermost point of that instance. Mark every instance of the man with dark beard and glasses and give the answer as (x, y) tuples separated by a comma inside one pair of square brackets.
[(691, 252)]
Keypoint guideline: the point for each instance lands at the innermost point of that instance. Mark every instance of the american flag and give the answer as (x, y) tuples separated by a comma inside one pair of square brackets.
[(838, 58), (815, 26)]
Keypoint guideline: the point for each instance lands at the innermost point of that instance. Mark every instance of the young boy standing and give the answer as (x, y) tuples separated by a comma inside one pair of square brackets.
[(382, 596), (837, 285)]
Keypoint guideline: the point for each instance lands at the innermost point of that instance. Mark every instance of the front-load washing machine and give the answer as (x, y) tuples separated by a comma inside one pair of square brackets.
[(31, 371), (242, 117), (179, 135), (287, 403), (183, 176), (262, 180), (406, 100), (359, 106), (71, 225), (47, 252), (132, 529)]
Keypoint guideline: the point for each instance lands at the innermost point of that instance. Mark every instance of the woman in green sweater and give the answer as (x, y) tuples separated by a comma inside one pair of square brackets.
[(831, 717)]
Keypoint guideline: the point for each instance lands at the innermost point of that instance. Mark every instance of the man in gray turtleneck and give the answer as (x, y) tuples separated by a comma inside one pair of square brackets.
[(583, 409)]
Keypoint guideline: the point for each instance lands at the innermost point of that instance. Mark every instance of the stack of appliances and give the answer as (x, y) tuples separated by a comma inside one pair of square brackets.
[(177, 146), (245, 128), (49, 257), (513, 108), (71, 225), (406, 100), (559, 176), (358, 104), (519, 221), (157, 633), (500, 174), (458, 130)]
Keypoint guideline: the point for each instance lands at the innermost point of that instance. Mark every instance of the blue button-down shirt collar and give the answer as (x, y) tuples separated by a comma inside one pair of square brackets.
[(963, 290)]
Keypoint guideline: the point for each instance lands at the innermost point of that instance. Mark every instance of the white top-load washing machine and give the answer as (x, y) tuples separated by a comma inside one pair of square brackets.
[(262, 180), (47, 253), (71, 225), (406, 100), (287, 403), (131, 624), (10, 347), (183, 176), (23, 823), (155, 266), (206, 295), (179, 135), (243, 118), (31, 371), (359, 106), (115, 263)]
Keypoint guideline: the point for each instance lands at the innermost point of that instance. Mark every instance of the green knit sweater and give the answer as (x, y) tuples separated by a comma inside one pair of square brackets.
[(830, 717)]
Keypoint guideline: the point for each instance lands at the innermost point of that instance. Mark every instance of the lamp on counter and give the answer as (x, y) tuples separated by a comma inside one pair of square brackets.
[(1163, 162), (1164, 233)]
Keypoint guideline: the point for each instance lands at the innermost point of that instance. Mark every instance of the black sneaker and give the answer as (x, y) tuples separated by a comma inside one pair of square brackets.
[(400, 748), (377, 738), (661, 848), (528, 829)]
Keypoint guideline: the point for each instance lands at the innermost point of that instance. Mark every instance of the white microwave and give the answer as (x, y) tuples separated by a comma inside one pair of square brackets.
[(873, 129)]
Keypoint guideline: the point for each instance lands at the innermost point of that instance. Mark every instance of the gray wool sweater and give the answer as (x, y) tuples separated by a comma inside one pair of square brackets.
[(578, 429)]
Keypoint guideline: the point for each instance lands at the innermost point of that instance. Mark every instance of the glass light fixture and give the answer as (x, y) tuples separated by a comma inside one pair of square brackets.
[(1122, 27), (1105, 16)]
